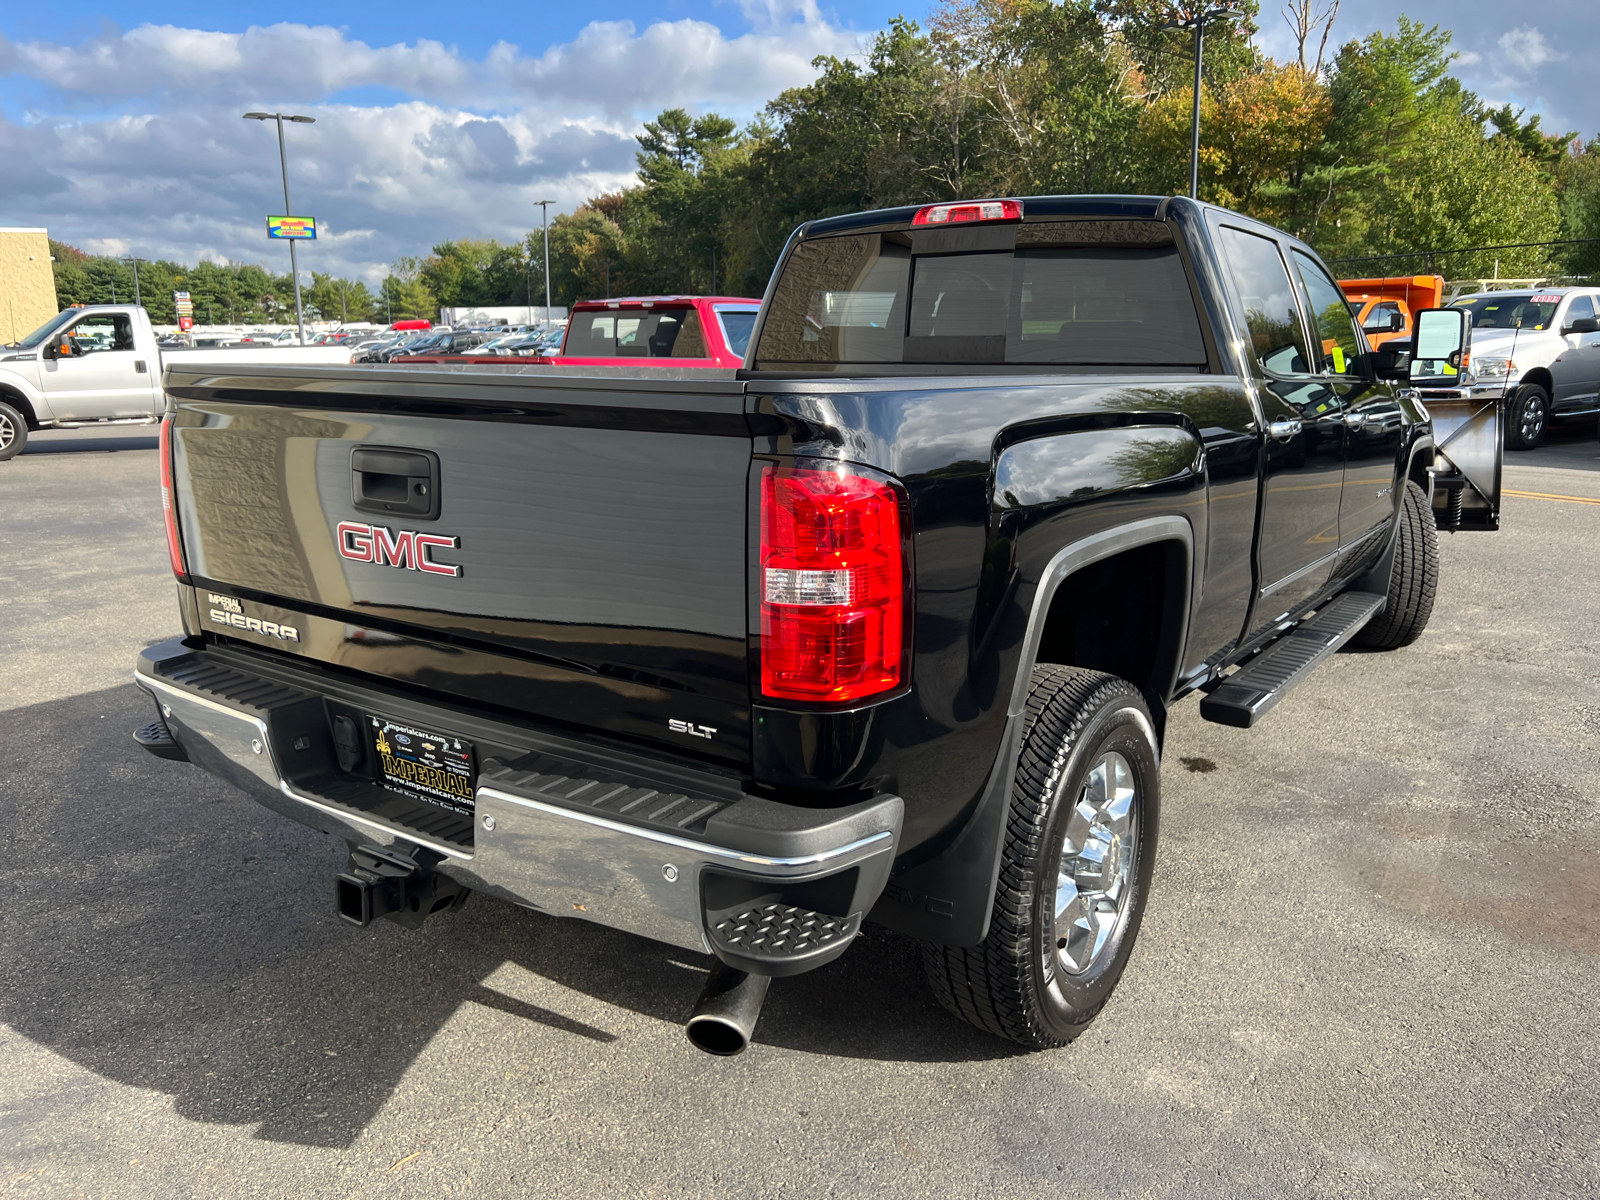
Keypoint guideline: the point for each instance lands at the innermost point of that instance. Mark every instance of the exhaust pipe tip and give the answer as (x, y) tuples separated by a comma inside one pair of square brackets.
[(724, 1018)]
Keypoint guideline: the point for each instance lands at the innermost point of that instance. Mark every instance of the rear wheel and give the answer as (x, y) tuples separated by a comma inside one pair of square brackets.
[(1413, 581), (1075, 868), (13, 432), (1527, 417)]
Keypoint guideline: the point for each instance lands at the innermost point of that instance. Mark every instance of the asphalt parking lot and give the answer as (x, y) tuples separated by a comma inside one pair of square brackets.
[(1370, 966)]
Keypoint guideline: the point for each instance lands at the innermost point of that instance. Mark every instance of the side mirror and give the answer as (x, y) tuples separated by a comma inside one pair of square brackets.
[(61, 349), (1440, 345), (1397, 322), (1582, 325)]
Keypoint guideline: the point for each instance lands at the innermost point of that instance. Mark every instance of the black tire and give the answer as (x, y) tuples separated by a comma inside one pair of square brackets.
[(1413, 582), (1014, 983), (13, 432), (1527, 417)]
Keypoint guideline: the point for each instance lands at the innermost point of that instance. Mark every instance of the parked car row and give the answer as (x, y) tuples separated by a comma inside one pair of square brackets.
[(629, 331)]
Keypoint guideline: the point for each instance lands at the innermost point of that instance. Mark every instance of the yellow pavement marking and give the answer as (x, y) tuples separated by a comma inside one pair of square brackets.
[(1551, 496)]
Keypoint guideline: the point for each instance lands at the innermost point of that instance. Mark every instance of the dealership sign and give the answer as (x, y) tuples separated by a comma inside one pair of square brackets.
[(292, 227)]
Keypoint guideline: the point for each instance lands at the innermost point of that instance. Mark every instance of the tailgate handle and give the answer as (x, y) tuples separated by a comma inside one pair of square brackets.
[(392, 481)]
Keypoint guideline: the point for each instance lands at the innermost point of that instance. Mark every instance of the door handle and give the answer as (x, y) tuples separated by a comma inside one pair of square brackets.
[(395, 481), (139, 367), (1283, 431)]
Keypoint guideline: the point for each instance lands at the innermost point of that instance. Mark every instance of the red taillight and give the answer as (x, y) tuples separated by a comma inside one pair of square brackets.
[(168, 503), (968, 210), (833, 585)]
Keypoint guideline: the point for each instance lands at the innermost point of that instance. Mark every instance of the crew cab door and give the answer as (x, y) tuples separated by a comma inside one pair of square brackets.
[(1298, 539), (101, 374), (1375, 423), (1576, 370)]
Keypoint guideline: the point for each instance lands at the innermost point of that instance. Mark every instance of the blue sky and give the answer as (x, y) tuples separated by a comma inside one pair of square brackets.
[(121, 132)]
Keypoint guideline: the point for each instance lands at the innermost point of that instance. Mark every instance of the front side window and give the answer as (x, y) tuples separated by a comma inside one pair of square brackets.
[(100, 332), (1271, 315), (1581, 308), (1340, 346)]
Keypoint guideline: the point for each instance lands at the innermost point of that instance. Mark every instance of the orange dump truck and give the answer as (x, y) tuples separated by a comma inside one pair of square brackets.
[(1383, 307)]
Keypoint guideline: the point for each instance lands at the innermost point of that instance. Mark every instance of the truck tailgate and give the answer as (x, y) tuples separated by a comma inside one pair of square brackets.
[(596, 527)]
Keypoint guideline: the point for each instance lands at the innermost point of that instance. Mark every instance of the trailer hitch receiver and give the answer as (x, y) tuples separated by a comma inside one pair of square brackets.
[(392, 883)]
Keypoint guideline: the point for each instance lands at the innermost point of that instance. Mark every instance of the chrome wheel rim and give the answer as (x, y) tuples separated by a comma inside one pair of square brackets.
[(1095, 868), (1532, 423), (8, 431)]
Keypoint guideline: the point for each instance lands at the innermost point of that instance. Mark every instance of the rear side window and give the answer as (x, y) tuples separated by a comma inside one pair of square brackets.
[(1107, 293), (1270, 313), (736, 326), (636, 333)]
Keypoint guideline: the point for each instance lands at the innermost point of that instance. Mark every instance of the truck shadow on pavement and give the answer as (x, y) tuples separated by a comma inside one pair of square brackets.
[(166, 933)]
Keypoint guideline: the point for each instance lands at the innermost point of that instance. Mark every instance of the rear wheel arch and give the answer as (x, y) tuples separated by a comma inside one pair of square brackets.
[(1100, 615)]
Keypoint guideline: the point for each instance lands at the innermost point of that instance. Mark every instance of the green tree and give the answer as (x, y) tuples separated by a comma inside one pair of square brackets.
[(405, 294)]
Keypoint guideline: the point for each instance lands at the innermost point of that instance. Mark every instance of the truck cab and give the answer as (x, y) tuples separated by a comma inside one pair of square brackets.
[(85, 364)]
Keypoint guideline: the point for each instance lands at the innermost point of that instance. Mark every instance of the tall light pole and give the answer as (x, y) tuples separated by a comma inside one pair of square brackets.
[(544, 208), (1198, 24), (137, 303), (288, 210)]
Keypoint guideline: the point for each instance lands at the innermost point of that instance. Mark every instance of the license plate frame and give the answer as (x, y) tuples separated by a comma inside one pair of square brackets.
[(425, 765)]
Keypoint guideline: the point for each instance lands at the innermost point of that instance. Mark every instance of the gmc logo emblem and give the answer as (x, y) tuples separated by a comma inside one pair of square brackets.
[(407, 549)]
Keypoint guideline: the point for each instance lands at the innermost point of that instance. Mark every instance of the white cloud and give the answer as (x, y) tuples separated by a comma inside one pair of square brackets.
[(157, 161), (610, 67), (1526, 50)]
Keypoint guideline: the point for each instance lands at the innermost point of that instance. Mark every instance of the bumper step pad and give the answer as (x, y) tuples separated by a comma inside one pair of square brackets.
[(157, 738), (1245, 696), (780, 931)]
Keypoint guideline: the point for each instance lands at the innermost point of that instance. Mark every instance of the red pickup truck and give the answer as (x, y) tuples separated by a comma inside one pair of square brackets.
[(642, 331)]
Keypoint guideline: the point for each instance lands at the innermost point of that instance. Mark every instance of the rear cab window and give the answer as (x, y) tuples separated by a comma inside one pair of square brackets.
[(1086, 293), (636, 333)]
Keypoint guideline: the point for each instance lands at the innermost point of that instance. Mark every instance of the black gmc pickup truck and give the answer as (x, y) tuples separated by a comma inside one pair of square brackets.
[(884, 626)]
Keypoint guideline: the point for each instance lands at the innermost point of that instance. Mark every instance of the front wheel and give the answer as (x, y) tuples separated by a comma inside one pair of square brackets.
[(1075, 868), (1527, 417), (1413, 580), (13, 432)]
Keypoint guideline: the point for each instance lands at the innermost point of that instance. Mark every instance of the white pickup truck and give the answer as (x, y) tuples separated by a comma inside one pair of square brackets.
[(1542, 350), (98, 364)]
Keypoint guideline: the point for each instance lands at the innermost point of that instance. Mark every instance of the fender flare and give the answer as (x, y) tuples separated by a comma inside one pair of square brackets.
[(37, 408), (950, 898)]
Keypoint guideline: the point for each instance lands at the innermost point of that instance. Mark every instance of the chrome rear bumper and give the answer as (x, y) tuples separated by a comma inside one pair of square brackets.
[(532, 843)]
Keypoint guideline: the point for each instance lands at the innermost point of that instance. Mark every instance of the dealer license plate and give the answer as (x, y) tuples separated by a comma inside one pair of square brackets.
[(438, 768)]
